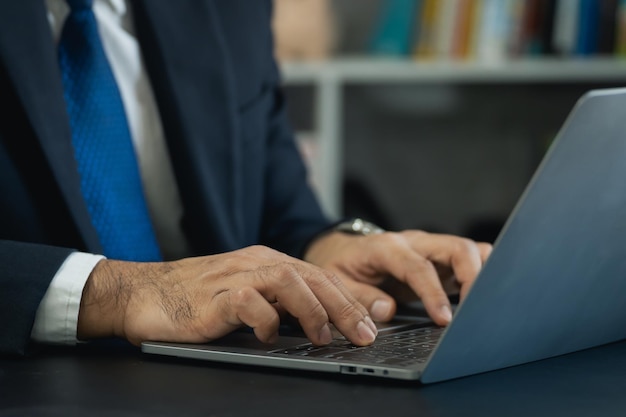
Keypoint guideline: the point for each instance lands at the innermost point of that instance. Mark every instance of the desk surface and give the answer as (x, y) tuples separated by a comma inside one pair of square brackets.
[(119, 380)]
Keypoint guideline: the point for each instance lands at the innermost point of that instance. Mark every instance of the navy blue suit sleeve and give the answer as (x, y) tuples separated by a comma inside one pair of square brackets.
[(27, 270), (292, 215)]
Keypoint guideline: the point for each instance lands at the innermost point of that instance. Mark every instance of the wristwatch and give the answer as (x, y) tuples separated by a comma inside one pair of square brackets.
[(358, 227)]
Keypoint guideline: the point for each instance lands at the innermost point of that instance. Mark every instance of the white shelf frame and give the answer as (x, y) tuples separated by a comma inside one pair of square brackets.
[(329, 79)]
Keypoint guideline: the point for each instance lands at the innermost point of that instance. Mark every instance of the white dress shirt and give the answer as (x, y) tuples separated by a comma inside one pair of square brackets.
[(57, 315)]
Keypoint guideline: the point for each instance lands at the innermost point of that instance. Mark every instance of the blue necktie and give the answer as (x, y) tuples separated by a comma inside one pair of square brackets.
[(107, 165)]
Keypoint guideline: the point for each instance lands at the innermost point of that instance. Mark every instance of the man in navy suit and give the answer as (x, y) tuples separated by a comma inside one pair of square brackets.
[(242, 237)]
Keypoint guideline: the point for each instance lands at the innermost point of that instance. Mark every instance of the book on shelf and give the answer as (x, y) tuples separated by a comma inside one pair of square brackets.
[(588, 24), (424, 45), (607, 27), (491, 42), (394, 29), (462, 46), (566, 26), (496, 30), (444, 29), (546, 15)]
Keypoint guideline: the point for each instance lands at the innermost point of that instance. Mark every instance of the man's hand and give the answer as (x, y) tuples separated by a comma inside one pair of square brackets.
[(202, 299), (422, 262)]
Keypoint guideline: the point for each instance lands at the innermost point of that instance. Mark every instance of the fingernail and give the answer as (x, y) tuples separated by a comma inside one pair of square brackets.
[(380, 310), (371, 325), (325, 335), (446, 313), (365, 333)]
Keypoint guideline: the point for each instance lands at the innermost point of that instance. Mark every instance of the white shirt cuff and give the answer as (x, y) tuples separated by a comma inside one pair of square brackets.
[(57, 316)]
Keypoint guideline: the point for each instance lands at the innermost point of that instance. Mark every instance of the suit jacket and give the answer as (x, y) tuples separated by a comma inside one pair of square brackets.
[(240, 175)]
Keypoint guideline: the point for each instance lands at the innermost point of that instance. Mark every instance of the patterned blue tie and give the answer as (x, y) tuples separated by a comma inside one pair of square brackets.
[(103, 149)]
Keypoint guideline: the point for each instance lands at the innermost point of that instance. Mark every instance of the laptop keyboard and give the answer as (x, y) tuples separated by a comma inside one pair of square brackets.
[(402, 348)]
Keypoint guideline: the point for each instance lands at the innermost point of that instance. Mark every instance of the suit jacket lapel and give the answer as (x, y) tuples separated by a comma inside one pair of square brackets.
[(29, 55), (188, 64)]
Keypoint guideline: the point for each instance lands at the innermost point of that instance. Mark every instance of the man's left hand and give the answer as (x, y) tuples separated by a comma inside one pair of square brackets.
[(421, 262)]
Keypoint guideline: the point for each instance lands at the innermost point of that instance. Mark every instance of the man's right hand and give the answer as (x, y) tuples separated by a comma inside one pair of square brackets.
[(201, 299)]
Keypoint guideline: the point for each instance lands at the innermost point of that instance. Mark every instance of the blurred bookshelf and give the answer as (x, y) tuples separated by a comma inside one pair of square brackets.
[(401, 98), (498, 30)]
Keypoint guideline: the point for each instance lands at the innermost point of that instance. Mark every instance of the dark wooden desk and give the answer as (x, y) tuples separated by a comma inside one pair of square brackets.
[(118, 380)]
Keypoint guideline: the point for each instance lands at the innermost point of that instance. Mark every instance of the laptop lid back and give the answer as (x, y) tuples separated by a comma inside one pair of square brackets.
[(556, 280)]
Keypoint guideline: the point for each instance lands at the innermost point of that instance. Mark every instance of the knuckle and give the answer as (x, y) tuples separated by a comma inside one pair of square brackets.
[(243, 297), (330, 278), (392, 238), (348, 311), (324, 282), (423, 265), (261, 251), (317, 313), (288, 273), (464, 245), (413, 234), (281, 277), (485, 248)]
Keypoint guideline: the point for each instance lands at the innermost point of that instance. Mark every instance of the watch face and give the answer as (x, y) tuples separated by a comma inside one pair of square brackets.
[(359, 227)]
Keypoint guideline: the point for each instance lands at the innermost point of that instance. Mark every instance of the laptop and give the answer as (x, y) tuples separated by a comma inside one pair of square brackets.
[(555, 282)]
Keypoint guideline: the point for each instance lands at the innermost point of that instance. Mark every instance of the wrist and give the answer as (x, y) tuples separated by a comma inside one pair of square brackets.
[(104, 300), (343, 233), (340, 234), (318, 250)]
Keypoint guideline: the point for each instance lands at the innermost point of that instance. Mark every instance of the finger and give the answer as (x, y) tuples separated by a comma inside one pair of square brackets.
[(464, 256), (308, 295), (381, 306), (485, 250), (424, 280), (420, 274), (315, 297), (349, 316), (283, 283), (253, 310)]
